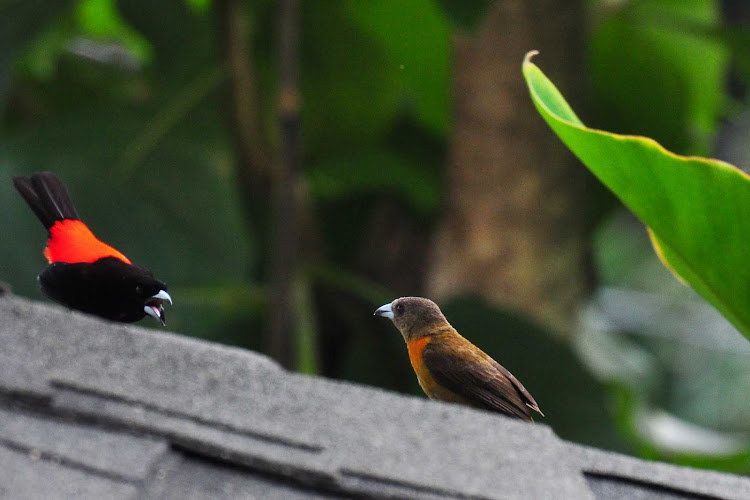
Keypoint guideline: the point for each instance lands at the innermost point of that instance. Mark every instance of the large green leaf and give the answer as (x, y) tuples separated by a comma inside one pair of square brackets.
[(697, 209), (20, 24), (375, 171), (465, 14), (658, 68), (350, 92), (423, 76)]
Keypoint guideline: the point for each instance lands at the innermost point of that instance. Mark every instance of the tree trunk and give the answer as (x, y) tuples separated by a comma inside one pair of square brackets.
[(514, 231), (287, 189)]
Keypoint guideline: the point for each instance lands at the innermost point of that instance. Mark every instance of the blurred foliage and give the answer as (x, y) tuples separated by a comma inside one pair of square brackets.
[(695, 208), (465, 14), (126, 100), (651, 56)]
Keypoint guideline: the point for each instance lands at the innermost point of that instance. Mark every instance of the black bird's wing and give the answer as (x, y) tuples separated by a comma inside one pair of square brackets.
[(467, 371), (106, 288)]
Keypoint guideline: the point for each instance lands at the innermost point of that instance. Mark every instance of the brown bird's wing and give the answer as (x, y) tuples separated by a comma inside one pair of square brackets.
[(467, 371)]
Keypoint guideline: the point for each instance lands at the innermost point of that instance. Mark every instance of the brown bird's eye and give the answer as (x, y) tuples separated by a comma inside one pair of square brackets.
[(399, 308)]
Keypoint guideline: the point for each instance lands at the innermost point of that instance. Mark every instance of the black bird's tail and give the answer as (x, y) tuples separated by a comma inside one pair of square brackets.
[(47, 197)]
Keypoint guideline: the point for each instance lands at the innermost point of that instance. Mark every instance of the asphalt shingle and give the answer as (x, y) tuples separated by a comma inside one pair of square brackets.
[(31, 475), (601, 463), (124, 456), (605, 488), (18, 382), (120, 411), (195, 479)]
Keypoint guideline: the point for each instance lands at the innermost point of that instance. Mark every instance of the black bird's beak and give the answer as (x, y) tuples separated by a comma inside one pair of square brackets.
[(156, 311), (163, 295), (155, 308)]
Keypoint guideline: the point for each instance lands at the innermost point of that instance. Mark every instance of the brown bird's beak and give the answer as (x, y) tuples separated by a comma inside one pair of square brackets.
[(384, 310)]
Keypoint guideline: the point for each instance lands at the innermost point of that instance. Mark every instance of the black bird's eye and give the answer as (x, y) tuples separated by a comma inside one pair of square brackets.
[(139, 289), (399, 308)]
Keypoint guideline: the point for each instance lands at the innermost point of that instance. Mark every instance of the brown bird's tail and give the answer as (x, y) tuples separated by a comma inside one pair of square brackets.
[(534, 407)]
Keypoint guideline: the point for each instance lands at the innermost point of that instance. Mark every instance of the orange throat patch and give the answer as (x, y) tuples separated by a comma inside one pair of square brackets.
[(416, 348)]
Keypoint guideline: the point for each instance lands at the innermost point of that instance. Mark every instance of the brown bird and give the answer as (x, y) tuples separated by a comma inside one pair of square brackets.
[(449, 367)]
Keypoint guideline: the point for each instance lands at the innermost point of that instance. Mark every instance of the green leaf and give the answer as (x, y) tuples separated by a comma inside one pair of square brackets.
[(350, 93), (658, 69), (100, 19), (423, 76), (180, 38), (697, 209), (465, 14), (20, 24), (199, 6), (306, 334), (375, 171)]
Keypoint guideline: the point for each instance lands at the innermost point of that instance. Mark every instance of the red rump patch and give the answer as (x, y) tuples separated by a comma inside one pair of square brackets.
[(71, 241)]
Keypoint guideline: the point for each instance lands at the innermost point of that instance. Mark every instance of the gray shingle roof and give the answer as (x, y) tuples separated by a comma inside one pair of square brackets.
[(90, 409)]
